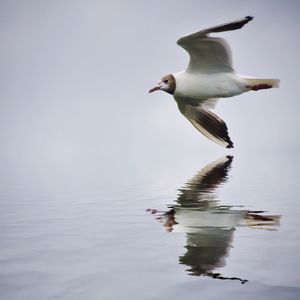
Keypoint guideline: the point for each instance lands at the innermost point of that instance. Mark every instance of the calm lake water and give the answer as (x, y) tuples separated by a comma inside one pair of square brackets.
[(228, 228)]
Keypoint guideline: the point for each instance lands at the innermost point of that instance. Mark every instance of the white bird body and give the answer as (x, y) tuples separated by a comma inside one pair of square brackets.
[(209, 76), (204, 86)]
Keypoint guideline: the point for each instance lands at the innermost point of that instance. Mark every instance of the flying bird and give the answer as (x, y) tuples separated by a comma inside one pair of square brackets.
[(208, 77)]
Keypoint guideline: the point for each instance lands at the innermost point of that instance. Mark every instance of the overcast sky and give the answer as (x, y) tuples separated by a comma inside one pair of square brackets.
[(75, 77)]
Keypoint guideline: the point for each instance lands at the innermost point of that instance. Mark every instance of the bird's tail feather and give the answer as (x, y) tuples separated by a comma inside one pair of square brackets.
[(256, 84)]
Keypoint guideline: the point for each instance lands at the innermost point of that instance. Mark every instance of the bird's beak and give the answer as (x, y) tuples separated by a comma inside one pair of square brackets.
[(156, 88)]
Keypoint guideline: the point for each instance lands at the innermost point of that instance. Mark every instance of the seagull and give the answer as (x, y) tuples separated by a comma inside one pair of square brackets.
[(208, 77)]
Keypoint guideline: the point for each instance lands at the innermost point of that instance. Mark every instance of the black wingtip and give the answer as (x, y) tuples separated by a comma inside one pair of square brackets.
[(227, 138), (249, 18), (230, 145), (229, 157)]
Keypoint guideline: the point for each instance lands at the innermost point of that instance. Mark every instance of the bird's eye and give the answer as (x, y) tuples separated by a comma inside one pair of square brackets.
[(165, 81)]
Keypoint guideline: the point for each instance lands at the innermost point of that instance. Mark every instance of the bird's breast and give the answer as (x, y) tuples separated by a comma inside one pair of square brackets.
[(204, 86)]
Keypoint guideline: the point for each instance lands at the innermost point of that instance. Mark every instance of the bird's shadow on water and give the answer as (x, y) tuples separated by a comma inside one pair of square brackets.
[(208, 225)]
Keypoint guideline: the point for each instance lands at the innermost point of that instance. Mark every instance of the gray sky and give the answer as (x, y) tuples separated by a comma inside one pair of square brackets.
[(75, 77)]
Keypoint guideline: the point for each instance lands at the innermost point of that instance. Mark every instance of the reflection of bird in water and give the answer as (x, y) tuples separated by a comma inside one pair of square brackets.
[(208, 225)]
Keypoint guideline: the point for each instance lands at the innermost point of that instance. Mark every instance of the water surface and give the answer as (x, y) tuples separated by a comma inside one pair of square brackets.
[(221, 232)]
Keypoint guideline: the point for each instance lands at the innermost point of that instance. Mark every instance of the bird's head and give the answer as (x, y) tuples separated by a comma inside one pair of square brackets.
[(166, 84)]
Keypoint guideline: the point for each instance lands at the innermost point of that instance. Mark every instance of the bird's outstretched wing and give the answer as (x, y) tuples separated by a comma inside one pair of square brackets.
[(210, 54), (209, 124)]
